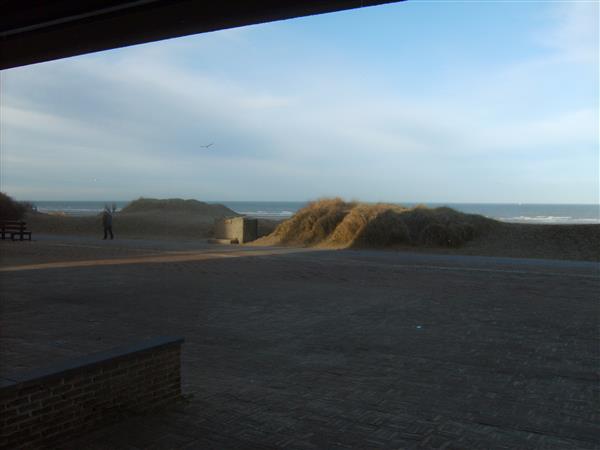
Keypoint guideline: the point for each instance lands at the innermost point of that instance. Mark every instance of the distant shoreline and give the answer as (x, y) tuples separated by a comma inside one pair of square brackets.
[(570, 214), (547, 241)]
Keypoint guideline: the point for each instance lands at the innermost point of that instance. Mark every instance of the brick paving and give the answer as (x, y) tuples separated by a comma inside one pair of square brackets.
[(334, 349)]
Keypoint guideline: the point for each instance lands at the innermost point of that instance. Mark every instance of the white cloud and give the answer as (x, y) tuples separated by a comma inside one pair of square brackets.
[(575, 32)]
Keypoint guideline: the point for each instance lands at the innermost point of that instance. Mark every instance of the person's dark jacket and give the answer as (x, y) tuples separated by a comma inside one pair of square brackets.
[(106, 219)]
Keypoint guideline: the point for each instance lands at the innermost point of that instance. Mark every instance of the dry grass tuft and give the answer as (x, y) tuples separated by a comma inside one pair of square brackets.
[(312, 224)]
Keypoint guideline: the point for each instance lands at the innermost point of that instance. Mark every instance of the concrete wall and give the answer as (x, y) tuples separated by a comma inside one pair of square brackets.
[(56, 404), (241, 229)]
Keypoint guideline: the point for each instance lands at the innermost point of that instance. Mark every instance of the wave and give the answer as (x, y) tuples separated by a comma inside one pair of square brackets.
[(551, 219), (72, 211), (267, 213)]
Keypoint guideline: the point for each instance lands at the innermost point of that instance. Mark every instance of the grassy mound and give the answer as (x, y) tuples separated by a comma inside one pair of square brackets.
[(177, 206), (339, 224), (142, 218)]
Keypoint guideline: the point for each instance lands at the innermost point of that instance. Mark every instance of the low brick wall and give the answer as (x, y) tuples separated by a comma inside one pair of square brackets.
[(53, 405)]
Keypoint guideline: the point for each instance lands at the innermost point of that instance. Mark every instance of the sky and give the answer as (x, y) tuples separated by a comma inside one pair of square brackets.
[(421, 101)]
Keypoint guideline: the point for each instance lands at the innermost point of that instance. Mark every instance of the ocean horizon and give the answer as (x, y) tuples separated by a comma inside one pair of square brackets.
[(278, 210)]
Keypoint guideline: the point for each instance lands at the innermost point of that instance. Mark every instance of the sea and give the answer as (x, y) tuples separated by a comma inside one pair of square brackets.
[(506, 212)]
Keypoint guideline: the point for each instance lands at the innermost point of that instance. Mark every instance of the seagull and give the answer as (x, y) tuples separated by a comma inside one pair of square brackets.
[(206, 146)]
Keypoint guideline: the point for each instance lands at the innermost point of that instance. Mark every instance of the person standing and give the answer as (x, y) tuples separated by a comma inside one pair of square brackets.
[(107, 223)]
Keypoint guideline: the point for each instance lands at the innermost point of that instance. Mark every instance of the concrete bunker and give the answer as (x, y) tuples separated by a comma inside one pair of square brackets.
[(236, 230)]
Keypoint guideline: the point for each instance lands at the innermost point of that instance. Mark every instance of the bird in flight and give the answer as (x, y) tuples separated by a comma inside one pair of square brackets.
[(206, 146)]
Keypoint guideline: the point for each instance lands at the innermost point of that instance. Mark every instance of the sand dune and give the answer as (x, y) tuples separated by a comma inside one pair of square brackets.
[(145, 218), (339, 224), (195, 208), (333, 223), (172, 218)]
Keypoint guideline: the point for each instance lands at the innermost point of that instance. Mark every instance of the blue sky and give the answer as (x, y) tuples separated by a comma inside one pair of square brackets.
[(416, 101)]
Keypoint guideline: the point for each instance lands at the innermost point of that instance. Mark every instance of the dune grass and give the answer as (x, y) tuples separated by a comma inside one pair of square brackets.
[(339, 224)]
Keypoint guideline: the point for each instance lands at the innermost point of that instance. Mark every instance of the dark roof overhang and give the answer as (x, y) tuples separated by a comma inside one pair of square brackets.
[(33, 31)]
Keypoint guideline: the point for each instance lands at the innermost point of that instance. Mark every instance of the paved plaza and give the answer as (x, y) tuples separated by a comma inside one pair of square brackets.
[(321, 349)]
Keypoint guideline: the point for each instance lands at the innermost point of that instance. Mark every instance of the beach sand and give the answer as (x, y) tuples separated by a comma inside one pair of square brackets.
[(566, 242), (335, 223), (137, 225), (563, 242)]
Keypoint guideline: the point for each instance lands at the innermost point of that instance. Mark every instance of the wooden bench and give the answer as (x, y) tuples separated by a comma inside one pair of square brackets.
[(14, 228)]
